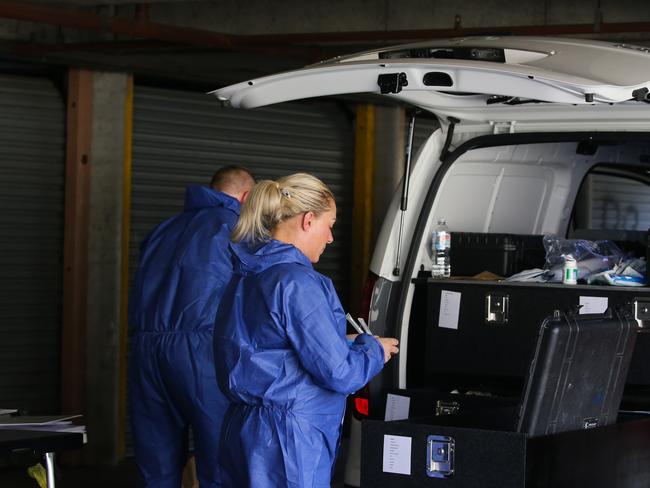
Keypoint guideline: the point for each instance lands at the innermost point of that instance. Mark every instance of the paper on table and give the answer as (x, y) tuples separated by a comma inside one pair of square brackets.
[(397, 454), (7, 411), (593, 304), (31, 420), (397, 407), (449, 309), (66, 426)]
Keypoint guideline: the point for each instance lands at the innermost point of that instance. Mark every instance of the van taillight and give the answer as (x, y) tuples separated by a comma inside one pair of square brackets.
[(361, 406)]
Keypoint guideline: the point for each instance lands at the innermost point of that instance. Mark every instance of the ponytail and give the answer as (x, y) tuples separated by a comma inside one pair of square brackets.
[(272, 202)]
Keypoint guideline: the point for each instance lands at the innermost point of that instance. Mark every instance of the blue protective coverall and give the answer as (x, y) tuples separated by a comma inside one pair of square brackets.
[(283, 360), (184, 265)]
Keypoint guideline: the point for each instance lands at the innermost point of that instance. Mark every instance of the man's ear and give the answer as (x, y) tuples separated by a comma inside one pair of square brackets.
[(244, 196), (307, 218)]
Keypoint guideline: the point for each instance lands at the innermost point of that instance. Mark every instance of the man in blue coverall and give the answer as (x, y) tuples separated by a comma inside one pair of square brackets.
[(184, 265)]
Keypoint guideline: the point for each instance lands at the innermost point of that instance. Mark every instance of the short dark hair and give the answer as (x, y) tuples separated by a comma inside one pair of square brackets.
[(231, 179)]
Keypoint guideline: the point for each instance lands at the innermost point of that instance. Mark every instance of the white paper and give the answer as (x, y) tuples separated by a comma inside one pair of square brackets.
[(593, 304), (397, 407), (449, 309), (7, 411), (30, 420), (80, 429), (62, 427), (397, 454)]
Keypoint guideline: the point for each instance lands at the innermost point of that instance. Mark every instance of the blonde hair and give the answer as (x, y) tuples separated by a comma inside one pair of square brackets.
[(271, 202)]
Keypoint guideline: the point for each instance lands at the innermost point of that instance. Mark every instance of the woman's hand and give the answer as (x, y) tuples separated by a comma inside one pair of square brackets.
[(389, 344)]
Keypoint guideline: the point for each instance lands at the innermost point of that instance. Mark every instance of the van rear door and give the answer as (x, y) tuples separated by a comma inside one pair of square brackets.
[(480, 79)]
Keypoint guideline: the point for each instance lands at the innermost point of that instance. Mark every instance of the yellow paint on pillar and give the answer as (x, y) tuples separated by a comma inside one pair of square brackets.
[(364, 166), (124, 265)]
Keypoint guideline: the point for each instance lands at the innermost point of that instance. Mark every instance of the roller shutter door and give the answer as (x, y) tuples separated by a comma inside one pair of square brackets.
[(619, 203), (181, 138), (32, 163)]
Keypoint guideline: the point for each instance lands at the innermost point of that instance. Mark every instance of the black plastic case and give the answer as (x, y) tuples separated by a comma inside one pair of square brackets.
[(614, 456), (578, 373), (502, 254), (496, 347), (470, 441)]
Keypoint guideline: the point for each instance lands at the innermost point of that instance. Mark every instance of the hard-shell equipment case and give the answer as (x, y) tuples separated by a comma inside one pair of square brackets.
[(498, 325), (614, 456), (578, 372), (501, 254), (574, 384)]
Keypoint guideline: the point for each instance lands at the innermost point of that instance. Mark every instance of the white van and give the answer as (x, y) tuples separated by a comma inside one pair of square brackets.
[(535, 134)]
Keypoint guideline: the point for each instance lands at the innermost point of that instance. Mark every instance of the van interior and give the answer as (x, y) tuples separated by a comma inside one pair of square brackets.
[(586, 186)]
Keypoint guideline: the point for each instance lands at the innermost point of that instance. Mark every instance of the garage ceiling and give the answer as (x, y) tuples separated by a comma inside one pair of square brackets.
[(167, 38)]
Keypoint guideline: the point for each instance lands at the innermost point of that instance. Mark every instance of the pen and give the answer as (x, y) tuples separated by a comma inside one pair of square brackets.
[(353, 323), (364, 326)]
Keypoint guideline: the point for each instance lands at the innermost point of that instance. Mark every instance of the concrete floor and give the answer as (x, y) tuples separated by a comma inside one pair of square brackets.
[(124, 475)]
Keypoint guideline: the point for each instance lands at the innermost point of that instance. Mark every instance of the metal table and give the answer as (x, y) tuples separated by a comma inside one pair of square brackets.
[(40, 441)]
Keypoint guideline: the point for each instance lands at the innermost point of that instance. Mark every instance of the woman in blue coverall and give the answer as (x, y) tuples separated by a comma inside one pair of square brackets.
[(280, 347)]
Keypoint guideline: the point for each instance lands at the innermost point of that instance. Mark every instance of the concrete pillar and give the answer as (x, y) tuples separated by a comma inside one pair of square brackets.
[(103, 355)]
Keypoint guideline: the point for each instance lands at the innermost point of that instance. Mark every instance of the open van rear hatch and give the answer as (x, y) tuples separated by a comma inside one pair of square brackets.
[(480, 79)]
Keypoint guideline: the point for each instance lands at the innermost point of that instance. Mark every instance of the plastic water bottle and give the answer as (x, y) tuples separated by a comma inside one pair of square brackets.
[(440, 246)]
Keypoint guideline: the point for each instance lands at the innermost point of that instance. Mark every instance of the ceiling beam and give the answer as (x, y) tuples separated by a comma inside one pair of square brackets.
[(423, 34), (141, 28), (144, 29)]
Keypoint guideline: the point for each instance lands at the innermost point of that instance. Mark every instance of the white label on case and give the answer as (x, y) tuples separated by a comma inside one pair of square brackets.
[(397, 454), (449, 309), (593, 304), (397, 407)]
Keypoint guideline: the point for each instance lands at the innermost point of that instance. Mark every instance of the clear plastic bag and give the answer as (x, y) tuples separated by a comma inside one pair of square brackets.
[(592, 256), (629, 272)]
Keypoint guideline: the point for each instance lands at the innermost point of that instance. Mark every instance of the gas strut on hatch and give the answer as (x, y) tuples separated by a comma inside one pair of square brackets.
[(405, 187)]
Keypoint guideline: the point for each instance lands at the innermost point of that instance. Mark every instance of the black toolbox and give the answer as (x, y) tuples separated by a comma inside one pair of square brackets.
[(476, 439), (502, 254), (497, 327), (471, 337), (614, 456)]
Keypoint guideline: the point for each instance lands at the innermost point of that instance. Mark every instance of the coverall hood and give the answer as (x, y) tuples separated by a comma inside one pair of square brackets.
[(199, 196), (254, 259)]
